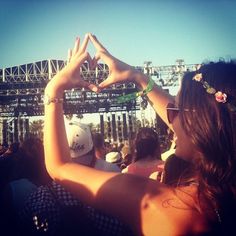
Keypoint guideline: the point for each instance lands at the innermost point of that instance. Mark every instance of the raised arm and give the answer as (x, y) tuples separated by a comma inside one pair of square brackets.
[(140, 202), (117, 194)]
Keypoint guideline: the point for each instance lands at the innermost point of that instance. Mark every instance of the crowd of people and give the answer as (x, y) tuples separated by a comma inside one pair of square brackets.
[(75, 183), (36, 204)]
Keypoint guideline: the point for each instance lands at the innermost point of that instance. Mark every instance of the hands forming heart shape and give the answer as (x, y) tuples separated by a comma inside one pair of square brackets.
[(69, 77)]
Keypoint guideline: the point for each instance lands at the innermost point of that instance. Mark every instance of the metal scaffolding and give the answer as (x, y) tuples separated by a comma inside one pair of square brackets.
[(22, 89)]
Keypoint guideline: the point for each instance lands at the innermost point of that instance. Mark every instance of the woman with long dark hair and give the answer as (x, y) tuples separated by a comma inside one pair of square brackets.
[(202, 116), (147, 154)]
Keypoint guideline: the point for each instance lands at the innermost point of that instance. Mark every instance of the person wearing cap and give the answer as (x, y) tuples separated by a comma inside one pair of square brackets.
[(114, 157), (80, 142), (59, 210), (87, 148)]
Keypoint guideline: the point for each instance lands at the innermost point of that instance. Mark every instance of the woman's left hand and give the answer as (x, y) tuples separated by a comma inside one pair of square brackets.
[(69, 77)]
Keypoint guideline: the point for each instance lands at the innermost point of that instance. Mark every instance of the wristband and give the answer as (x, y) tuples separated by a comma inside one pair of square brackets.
[(132, 96), (47, 100)]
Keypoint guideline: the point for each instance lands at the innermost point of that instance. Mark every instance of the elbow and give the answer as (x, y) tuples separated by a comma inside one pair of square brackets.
[(53, 170)]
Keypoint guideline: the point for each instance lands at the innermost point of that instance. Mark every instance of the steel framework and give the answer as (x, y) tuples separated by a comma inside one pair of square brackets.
[(22, 89)]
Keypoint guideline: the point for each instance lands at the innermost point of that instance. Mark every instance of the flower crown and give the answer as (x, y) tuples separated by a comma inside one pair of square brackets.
[(219, 95)]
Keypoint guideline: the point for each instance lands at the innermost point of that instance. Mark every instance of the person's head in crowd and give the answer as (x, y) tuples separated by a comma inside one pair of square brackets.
[(12, 149), (125, 151), (114, 147), (114, 157), (99, 145), (32, 161), (9, 169), (147, 144), (120, 146), (108, 146), (126, 155), (80, 142)]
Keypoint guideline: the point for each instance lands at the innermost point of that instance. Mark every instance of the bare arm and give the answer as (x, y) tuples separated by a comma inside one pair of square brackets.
[(120, 195), (117, 194), (158, 98), (135, 200)]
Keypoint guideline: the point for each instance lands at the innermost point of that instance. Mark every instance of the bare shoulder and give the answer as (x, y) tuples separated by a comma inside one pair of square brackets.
[(172, 212)]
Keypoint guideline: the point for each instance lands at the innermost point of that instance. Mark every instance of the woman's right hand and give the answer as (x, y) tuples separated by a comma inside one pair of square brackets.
[(118, 70)]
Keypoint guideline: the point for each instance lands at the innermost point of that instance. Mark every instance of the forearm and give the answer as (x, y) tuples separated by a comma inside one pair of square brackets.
[(55, 143), (157, 97), (57, 154), (103, 190)]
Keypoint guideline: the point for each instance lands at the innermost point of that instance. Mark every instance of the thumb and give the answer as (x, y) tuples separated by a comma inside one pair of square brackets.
[(107, 82), (94, 88), (91, 87)]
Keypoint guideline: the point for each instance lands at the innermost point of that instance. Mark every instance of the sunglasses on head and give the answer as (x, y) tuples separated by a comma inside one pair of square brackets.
[(172, 112)]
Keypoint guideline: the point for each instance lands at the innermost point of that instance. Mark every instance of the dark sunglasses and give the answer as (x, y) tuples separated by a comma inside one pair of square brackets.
[(172, 112)]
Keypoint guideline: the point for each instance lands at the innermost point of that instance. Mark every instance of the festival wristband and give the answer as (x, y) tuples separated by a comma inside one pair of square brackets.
[(132, 96)]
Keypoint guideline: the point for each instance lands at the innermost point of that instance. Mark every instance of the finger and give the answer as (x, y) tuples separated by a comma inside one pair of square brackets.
[(76, 46), (104, 84), (95, 61), (94, 88), (105, 56), (89, 86), (90, 61), (83, 57), (69, 55), (87, 57), (84, 44), (96, 43)]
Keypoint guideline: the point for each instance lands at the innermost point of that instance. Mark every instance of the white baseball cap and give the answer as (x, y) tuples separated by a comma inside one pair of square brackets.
[(79, 138), (113, 157)]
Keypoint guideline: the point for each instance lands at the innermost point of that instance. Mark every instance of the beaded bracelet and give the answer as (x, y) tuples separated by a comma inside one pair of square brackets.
[(132, 96)]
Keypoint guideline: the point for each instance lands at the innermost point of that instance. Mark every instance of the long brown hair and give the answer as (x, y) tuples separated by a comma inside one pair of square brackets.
[(211, 126), (147, 144)]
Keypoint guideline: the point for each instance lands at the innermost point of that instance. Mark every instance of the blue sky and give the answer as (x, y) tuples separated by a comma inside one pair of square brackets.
[(160, 31)]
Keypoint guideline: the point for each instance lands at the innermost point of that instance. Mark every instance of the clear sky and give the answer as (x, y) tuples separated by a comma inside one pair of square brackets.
[(160, 31)]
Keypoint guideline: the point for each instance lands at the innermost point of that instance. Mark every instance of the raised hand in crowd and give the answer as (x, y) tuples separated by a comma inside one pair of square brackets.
[(69, 77), (122, 72)]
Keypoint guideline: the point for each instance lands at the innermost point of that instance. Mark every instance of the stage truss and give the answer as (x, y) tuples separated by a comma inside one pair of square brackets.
[(22, 88)]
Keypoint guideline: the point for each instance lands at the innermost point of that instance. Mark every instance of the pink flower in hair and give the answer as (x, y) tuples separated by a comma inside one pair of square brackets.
[(221, 97), (197, 77)]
